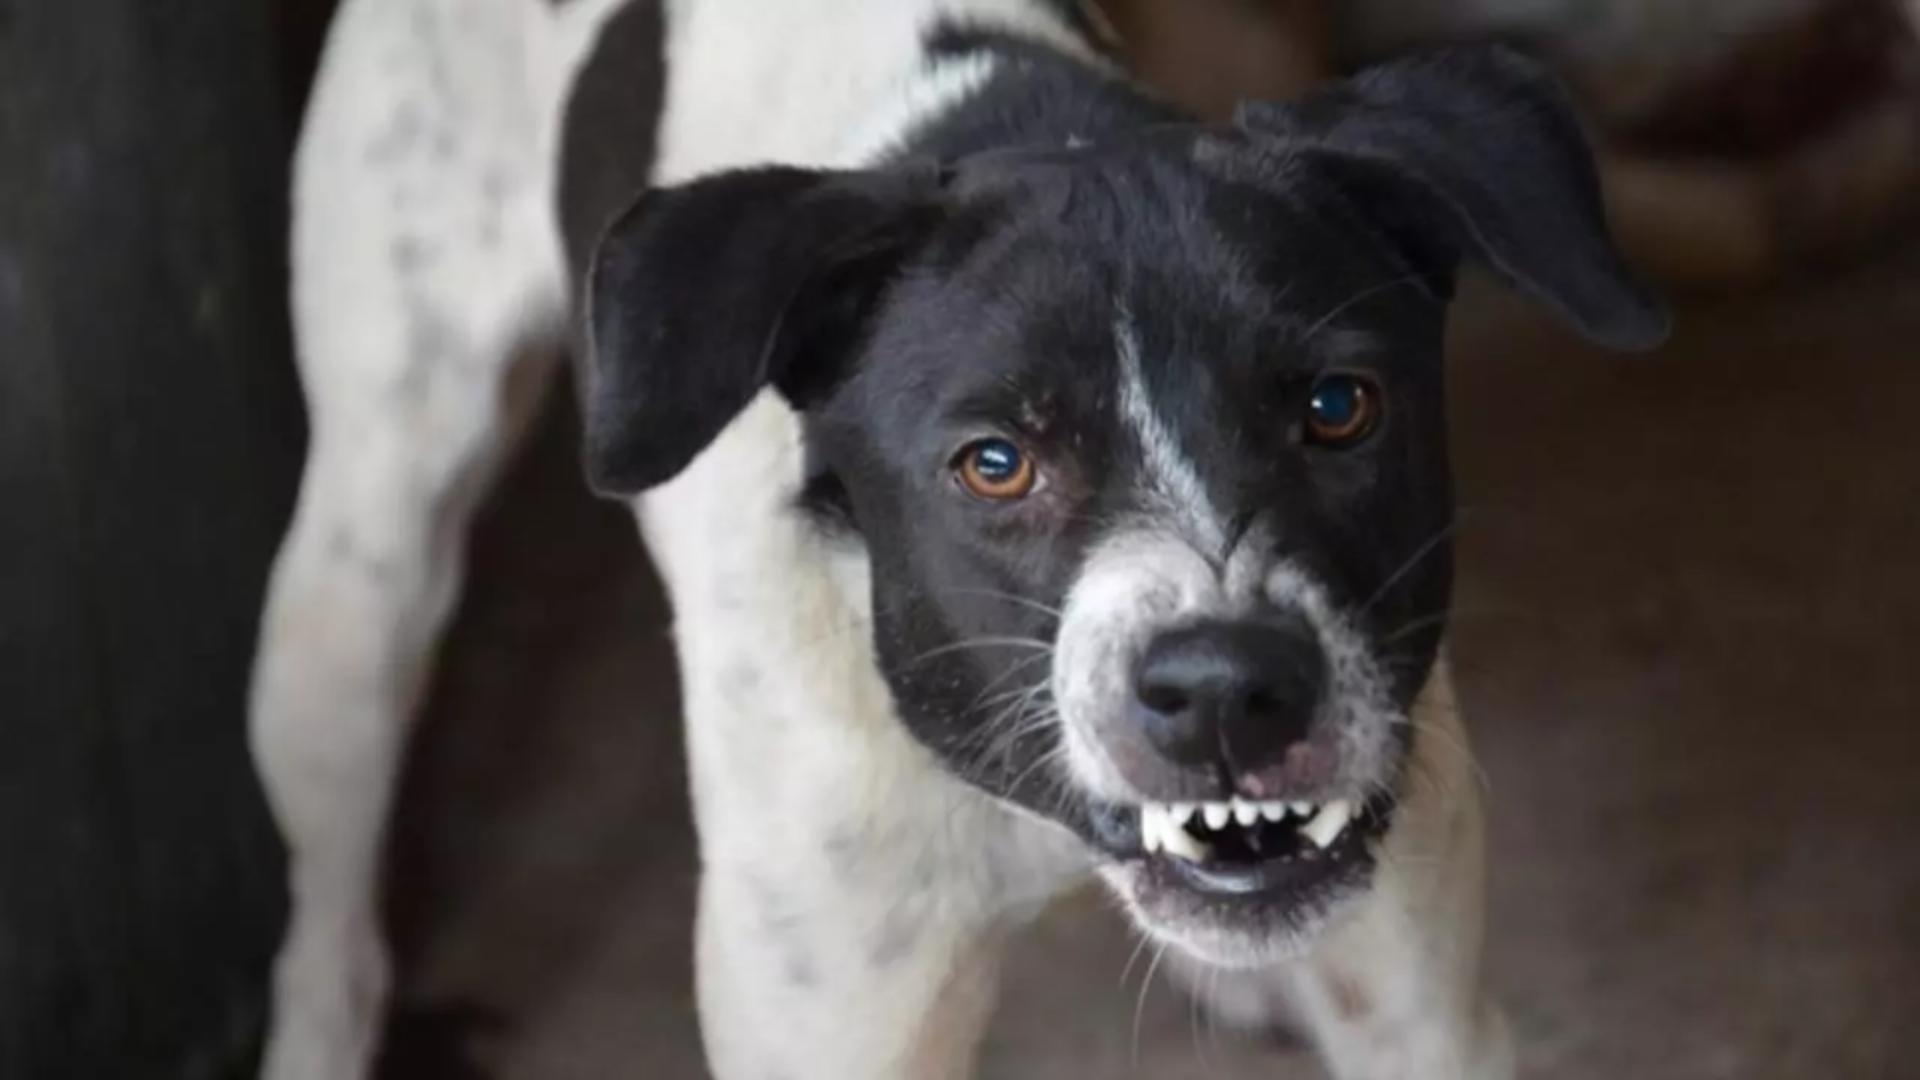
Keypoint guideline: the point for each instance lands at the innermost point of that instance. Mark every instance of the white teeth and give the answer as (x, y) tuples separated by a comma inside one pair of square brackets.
[(1163, 826), (1153, 823), (1328, 824), (1162, 829), (1180, 842)]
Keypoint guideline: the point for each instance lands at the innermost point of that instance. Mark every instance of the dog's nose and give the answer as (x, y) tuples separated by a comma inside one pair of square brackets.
[(1233, 693)]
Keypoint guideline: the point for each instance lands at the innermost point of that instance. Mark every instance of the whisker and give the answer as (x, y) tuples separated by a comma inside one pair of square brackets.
[(1140, 1003), (1011, 671), (983, 643), (1139, 946), (1357, 298), (1012, 598), (1433, 543)]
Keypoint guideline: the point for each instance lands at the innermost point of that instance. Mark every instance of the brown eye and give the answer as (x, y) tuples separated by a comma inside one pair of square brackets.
[(1343, 410), (995, 469)]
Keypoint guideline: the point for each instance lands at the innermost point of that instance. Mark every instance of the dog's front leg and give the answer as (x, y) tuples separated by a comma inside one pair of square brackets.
[(803, 978), (859, 938)]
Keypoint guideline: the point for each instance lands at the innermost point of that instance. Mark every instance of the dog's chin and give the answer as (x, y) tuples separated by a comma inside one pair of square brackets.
[(1240, 902)]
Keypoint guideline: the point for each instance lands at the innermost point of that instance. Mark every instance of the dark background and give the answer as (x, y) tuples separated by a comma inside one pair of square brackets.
[(150, 440)]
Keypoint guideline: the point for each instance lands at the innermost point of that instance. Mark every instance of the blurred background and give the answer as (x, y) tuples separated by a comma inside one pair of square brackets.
[(1689, 612)]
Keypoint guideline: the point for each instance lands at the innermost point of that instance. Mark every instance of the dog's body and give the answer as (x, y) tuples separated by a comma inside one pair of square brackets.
[(861, 863)]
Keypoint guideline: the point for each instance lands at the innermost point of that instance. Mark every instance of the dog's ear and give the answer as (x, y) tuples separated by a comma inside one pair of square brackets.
[(702, 295), (1475, 152)]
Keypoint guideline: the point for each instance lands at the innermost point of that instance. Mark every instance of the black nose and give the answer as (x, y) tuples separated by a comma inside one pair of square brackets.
[(1234, 693)]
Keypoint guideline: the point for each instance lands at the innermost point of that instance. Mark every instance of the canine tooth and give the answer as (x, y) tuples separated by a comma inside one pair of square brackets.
[(1216, 814), (1180, 813), (1273, 811), (1245, 813), (1153, 818), (1301, 809), (1328, 824), (1180, 842)]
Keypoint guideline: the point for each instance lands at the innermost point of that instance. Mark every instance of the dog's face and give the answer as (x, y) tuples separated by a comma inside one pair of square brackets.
[(1143, 443)]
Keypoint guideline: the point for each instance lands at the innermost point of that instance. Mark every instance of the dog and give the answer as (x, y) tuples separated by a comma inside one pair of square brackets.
[(1047, 485)]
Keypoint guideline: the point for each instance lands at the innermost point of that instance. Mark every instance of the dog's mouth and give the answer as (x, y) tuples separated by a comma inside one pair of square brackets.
[(1252, 875), (1241, 847)]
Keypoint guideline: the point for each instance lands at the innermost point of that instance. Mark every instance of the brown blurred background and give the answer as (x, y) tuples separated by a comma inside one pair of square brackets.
[(1689, 610)]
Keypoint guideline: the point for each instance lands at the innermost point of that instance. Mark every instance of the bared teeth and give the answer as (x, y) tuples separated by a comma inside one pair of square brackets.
[(1162, 828), (1181, 830), (1326, 826), (1153, 825)]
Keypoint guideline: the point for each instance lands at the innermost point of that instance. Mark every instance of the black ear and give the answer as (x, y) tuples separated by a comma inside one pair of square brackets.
[(700, 296), (1479, 153)]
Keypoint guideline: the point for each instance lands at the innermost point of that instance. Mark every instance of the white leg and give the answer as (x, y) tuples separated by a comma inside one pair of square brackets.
[(427, 294), (854, 897)]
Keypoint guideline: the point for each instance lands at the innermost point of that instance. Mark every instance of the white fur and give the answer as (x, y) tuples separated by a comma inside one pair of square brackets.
[(853, 893), (1176, 484)]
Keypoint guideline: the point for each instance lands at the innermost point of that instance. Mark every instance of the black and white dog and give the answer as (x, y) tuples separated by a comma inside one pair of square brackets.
[(1047, 485)]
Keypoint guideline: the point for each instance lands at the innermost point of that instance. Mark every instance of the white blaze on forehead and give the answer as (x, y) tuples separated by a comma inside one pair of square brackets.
[(1169, 473)]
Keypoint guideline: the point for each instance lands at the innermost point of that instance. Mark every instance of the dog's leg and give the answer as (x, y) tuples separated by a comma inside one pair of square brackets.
[(853, 910), (1393, 990), (427, 296), (879, 961)]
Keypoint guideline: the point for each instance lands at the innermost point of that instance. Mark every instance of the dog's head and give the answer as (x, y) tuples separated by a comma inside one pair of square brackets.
[(1143, 442)]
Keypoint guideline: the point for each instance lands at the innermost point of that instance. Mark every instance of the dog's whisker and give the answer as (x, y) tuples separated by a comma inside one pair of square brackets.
[(1012, 671), (1446, 739), (1012, 598), (1040, 761), (1141, 940), (1413, 561), (982, 643), (1140, 1002), (1353, 301)]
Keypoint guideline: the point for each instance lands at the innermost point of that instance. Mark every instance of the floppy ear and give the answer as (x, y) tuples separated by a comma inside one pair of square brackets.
[(700, 296), (1476, 152)]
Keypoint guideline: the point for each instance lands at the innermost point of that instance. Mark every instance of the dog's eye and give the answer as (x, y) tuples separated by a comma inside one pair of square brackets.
[(995, 469), (1342, 410)]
